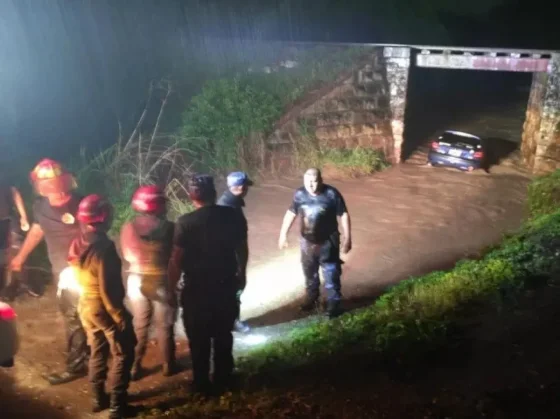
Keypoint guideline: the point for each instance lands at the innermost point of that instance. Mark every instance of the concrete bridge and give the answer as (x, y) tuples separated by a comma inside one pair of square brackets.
[(367, 107)]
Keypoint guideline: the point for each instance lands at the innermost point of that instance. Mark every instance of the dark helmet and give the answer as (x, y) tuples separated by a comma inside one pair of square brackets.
[(200, 187)]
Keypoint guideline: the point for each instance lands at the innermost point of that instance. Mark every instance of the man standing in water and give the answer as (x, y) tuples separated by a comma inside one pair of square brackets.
[(318, 206)]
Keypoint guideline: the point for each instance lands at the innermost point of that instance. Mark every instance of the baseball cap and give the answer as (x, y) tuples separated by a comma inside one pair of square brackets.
[(238, 179), (201, 186)]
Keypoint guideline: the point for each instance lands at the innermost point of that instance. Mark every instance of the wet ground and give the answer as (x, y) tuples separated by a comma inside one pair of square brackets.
[(406, 221)]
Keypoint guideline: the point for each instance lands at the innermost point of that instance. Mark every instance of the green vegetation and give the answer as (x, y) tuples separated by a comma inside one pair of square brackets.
[(544, 195), (224, 124), (421, 311), (411, 319)]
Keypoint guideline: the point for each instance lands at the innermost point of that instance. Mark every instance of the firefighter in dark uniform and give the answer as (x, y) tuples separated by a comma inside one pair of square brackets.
[(318, 206), (146, 244), (96, 264), (238, 184), (210, 250), (9, 198), (54, 220)]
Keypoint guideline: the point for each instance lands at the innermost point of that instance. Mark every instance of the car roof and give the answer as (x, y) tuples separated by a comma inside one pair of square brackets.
[(462, 134)]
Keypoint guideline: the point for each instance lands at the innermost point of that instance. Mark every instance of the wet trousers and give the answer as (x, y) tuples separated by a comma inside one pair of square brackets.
[(77, 349), (152, 308), (209, 325), (326, 256), (105, 338)]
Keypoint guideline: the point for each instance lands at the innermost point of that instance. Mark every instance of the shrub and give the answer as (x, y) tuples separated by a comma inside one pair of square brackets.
[(544, 194), (221, 119), (220, 124)]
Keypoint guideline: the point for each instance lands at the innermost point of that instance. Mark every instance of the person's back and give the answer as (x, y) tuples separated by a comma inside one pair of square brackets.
[(146, 243), (210, 237), (100, 280)]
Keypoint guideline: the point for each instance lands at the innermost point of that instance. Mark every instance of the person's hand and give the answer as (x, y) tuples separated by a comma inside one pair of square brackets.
[(24, 224), (16, 263), (283, 241), (346, 246)]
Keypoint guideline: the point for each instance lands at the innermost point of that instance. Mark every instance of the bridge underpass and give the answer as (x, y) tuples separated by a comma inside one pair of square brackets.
[(540, 140)]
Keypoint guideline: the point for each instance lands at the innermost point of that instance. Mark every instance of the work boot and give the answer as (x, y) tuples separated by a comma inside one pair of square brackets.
[(334, 309), (241, 327), (100, 400), (137, 372), (65, 377), (170, 368), (119, 407), (309, 305)]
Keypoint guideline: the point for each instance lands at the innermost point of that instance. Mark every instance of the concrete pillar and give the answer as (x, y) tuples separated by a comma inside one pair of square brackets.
[(540, 146), (397, 60)]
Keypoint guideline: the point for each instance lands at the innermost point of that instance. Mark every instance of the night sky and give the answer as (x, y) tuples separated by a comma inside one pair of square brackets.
[(72, 69)]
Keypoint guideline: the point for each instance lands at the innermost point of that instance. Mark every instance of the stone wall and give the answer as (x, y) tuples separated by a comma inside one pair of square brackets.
[(540, 146), (397, 61), (352, 112)]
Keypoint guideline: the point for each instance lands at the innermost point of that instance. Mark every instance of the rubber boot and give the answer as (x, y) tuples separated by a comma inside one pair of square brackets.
[(170, 368), (119, 407), (100, 399), (137, 372)]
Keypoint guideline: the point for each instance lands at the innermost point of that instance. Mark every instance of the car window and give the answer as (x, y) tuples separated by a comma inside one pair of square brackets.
[(453, 139)]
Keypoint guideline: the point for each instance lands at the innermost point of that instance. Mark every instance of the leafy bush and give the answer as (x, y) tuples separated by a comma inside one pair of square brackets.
[(222, 118), (220, 123), (544, 194)]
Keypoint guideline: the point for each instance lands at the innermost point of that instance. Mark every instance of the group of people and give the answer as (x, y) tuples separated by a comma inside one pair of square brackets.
[(199, 262)]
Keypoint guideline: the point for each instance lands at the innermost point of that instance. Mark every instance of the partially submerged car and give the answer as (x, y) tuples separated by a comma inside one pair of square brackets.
[(9, 340), (457, 149)]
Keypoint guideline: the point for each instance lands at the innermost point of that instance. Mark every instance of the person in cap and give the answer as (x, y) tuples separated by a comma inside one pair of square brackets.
[(210, 250), (54, 215), (94, 260), (319, 206), (146, 244), (238, 184)]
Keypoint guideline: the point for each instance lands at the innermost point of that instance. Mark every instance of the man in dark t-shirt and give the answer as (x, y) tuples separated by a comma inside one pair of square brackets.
[(319, 206), (210, 250), (238, 184), (54, 220)]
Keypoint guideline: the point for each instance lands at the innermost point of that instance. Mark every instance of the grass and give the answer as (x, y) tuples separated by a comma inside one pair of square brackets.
[(221, 121), (411, 319), (336, 162)]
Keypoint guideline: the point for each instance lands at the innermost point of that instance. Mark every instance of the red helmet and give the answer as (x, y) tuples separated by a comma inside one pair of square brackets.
[(49, 176), (149, 199), (94, 209)]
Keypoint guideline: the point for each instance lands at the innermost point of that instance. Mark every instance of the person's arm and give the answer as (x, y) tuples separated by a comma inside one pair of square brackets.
[(242, 252), (287, 222), (20, 206), (345, 224), (289, 218), (346, 232), (174, 268), (111, 285), (32, 239)]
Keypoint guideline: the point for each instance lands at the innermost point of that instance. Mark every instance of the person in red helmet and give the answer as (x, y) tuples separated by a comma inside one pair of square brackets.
[(146, 244), (94, 259), (54, 220)]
